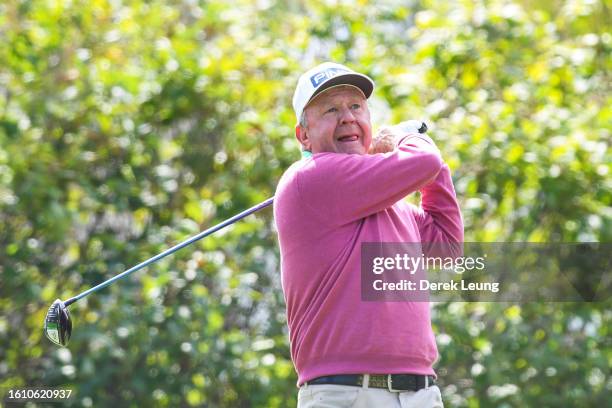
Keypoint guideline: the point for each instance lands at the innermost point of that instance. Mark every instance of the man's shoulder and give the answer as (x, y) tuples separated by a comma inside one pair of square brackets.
[(287, 185), (303, 168), (322, 164), (302, 172), (290, 174)]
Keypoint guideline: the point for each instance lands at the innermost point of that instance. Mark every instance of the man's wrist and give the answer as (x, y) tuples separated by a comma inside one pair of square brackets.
[(388, 138), (420, 136)]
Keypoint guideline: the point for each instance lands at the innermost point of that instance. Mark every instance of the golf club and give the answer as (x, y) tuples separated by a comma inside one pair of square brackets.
[(58, 325)]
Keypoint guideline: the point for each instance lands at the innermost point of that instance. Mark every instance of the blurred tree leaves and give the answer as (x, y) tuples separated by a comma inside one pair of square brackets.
[(126, 126)]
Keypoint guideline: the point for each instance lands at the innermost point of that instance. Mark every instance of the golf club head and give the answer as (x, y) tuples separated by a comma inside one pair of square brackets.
[(58, 325), (423, 127)]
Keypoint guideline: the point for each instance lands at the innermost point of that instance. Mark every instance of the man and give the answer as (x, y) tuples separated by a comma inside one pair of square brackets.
[(347, 352)]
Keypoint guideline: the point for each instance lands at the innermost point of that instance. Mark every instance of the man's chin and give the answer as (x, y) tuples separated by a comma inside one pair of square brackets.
[(355, 151), (354, 148)]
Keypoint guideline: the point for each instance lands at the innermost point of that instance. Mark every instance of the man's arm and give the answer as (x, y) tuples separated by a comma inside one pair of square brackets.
[(343, 188), (439, 217)]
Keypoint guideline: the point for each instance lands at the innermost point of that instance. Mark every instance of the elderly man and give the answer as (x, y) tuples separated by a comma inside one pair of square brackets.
[(348, 352)]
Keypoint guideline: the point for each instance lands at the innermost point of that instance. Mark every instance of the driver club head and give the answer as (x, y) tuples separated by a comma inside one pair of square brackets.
[(58, 325)]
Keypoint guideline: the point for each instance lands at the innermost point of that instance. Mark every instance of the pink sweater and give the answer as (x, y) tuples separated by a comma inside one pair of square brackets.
[(324, 208)]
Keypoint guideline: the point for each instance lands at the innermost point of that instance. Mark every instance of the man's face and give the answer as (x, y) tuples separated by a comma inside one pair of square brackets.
[(338, 121)]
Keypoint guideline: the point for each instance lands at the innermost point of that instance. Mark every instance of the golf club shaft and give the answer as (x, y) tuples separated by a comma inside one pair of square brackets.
[(172, 250)]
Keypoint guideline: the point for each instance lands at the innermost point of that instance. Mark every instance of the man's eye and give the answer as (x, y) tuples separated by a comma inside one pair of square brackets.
[(355, 106), (330, 110)]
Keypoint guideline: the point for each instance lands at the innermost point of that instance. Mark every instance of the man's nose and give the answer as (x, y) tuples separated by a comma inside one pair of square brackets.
[(346, 115)]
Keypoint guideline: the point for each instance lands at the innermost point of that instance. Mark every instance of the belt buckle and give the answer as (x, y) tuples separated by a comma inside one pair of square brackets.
[(390, 383)]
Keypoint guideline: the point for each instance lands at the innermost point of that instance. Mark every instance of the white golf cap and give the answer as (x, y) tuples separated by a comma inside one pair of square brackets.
[(324, 76)]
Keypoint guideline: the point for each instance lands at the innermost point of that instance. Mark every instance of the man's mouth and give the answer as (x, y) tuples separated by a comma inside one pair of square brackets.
[(348, 138)]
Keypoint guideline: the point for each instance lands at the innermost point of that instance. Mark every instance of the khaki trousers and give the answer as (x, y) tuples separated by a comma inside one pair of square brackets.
[(341, 396)]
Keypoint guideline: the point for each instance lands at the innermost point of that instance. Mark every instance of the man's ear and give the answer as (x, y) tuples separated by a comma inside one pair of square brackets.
[(301, 134)]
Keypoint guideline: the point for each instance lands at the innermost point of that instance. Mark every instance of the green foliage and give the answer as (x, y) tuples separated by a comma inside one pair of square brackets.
[(126, 126)]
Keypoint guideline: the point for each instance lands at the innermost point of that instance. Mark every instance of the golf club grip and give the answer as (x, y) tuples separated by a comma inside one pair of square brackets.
[(175, 248)]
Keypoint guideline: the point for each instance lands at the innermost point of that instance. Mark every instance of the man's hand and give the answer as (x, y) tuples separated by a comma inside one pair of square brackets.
[(384, 141), (386, 137)]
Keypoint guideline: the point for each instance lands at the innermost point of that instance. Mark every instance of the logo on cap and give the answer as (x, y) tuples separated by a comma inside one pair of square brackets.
[(319, 77)]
